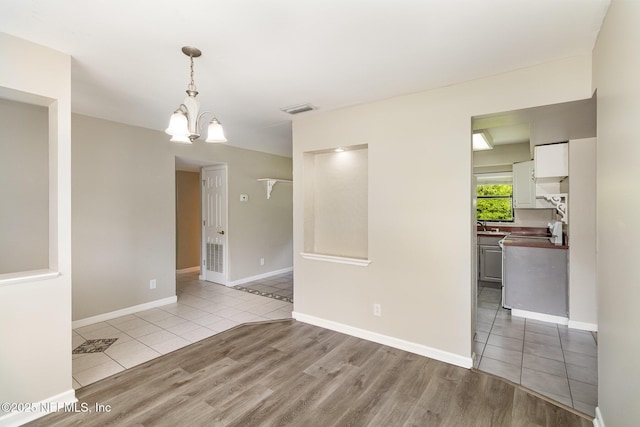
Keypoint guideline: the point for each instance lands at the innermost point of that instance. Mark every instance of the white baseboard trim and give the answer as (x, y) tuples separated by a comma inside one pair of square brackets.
[(540, 316), (189, 270), (598, 421), (583, 326), (258, 277), (39, 409), (123, 312), (411, 347)]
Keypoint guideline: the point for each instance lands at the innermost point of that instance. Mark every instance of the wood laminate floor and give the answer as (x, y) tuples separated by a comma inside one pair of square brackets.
[(286, 373)]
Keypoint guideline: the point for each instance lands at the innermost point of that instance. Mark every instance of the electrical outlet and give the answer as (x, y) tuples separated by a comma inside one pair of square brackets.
[(261, 261), (377, 310), (152, 284)]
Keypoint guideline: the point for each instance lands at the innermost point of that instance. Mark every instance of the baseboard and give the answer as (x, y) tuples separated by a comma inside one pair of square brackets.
[(39, 409), (540, 316), (598, 421), (189, 270), (583, 326), (258, 277), (411, 347), (123, 312)]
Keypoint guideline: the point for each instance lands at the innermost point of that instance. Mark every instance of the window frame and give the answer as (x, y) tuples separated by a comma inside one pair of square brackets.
[(495, 182)]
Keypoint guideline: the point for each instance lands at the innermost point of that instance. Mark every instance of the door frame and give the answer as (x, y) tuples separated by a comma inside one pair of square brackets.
[(203, 248)]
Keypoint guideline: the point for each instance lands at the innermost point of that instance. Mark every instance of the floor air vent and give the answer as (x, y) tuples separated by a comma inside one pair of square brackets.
[(215, 257)]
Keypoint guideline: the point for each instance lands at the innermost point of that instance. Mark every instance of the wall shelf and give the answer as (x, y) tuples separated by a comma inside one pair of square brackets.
[(559, 201), (271, 182)]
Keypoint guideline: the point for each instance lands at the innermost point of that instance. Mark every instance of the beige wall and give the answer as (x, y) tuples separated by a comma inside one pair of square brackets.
[(24, 187), (123, 216), (188, 229), (583, 310), (616, 66), (421, 253), (35, 315), (124, 213)]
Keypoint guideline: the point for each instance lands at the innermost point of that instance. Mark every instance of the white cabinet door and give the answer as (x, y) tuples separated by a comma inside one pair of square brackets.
[(552, 161), (524, 188)]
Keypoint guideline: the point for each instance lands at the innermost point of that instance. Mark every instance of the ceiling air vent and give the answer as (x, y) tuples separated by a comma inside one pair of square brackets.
[(297, 109)]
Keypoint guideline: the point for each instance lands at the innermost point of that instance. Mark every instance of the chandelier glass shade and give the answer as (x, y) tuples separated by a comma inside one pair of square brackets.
[(187, 120)]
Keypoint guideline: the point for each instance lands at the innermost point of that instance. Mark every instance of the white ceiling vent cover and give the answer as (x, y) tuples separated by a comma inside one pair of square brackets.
[(297, 109)]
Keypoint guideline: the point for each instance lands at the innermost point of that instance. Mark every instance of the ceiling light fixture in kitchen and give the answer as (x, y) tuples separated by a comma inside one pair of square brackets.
[(482, 141), (186, 121)]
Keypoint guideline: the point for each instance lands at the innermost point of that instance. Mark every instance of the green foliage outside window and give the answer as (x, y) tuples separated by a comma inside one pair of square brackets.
[(495, 202)]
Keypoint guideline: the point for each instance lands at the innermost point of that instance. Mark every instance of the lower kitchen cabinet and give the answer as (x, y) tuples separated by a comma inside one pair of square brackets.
[(489, 259), (490, 264)]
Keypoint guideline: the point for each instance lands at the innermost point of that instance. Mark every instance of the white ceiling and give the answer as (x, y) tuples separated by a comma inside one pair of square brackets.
[(259, 56)]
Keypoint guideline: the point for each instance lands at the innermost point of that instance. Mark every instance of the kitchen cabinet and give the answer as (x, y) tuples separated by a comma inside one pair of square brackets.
[(524, 186), (489, 259), (551, 161), (490, 264)]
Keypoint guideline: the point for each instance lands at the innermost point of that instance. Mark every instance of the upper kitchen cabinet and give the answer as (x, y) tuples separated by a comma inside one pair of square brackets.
[(551, 162), (524, 186)]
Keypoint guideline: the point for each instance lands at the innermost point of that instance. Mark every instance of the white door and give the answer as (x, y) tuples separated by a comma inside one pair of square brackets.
[(214, 224)]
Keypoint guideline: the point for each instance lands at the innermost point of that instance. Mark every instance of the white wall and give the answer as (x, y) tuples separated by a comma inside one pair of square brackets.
[(583, 309), (420, 220), (35, 315), (124, 213), (616, 67)]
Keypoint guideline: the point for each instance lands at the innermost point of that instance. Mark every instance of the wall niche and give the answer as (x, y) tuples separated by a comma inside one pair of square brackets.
[(336, 204), (24, 187)]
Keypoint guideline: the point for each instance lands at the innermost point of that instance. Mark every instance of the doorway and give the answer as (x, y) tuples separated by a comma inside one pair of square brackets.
[(552, 359)]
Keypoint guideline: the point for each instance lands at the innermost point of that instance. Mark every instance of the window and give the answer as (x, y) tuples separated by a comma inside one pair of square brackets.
[(495, 197)]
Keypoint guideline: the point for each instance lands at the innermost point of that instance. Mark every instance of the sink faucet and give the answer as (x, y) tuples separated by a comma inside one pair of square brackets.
[(483, 225)]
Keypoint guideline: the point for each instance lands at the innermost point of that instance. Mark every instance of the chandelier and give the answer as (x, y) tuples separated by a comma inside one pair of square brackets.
[(186, 122)]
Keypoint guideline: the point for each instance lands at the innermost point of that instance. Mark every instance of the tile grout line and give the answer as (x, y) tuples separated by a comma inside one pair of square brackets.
[(566, 371)]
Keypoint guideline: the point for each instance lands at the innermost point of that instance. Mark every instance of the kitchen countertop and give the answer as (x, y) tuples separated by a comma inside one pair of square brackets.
[(529, 242), (533, 237)]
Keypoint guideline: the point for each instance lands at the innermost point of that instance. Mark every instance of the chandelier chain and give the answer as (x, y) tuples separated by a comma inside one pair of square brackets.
[(191, 58)]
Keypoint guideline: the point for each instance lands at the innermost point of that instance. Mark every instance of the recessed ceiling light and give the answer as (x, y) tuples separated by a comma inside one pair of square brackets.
[(297, 109), (339, 150), (482, 141)]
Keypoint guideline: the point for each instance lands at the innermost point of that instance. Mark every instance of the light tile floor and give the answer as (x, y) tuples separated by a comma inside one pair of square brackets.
[(552, 359), (203, 309)]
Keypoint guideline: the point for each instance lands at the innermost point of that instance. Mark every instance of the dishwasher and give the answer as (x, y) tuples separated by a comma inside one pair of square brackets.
[(534, 278)]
